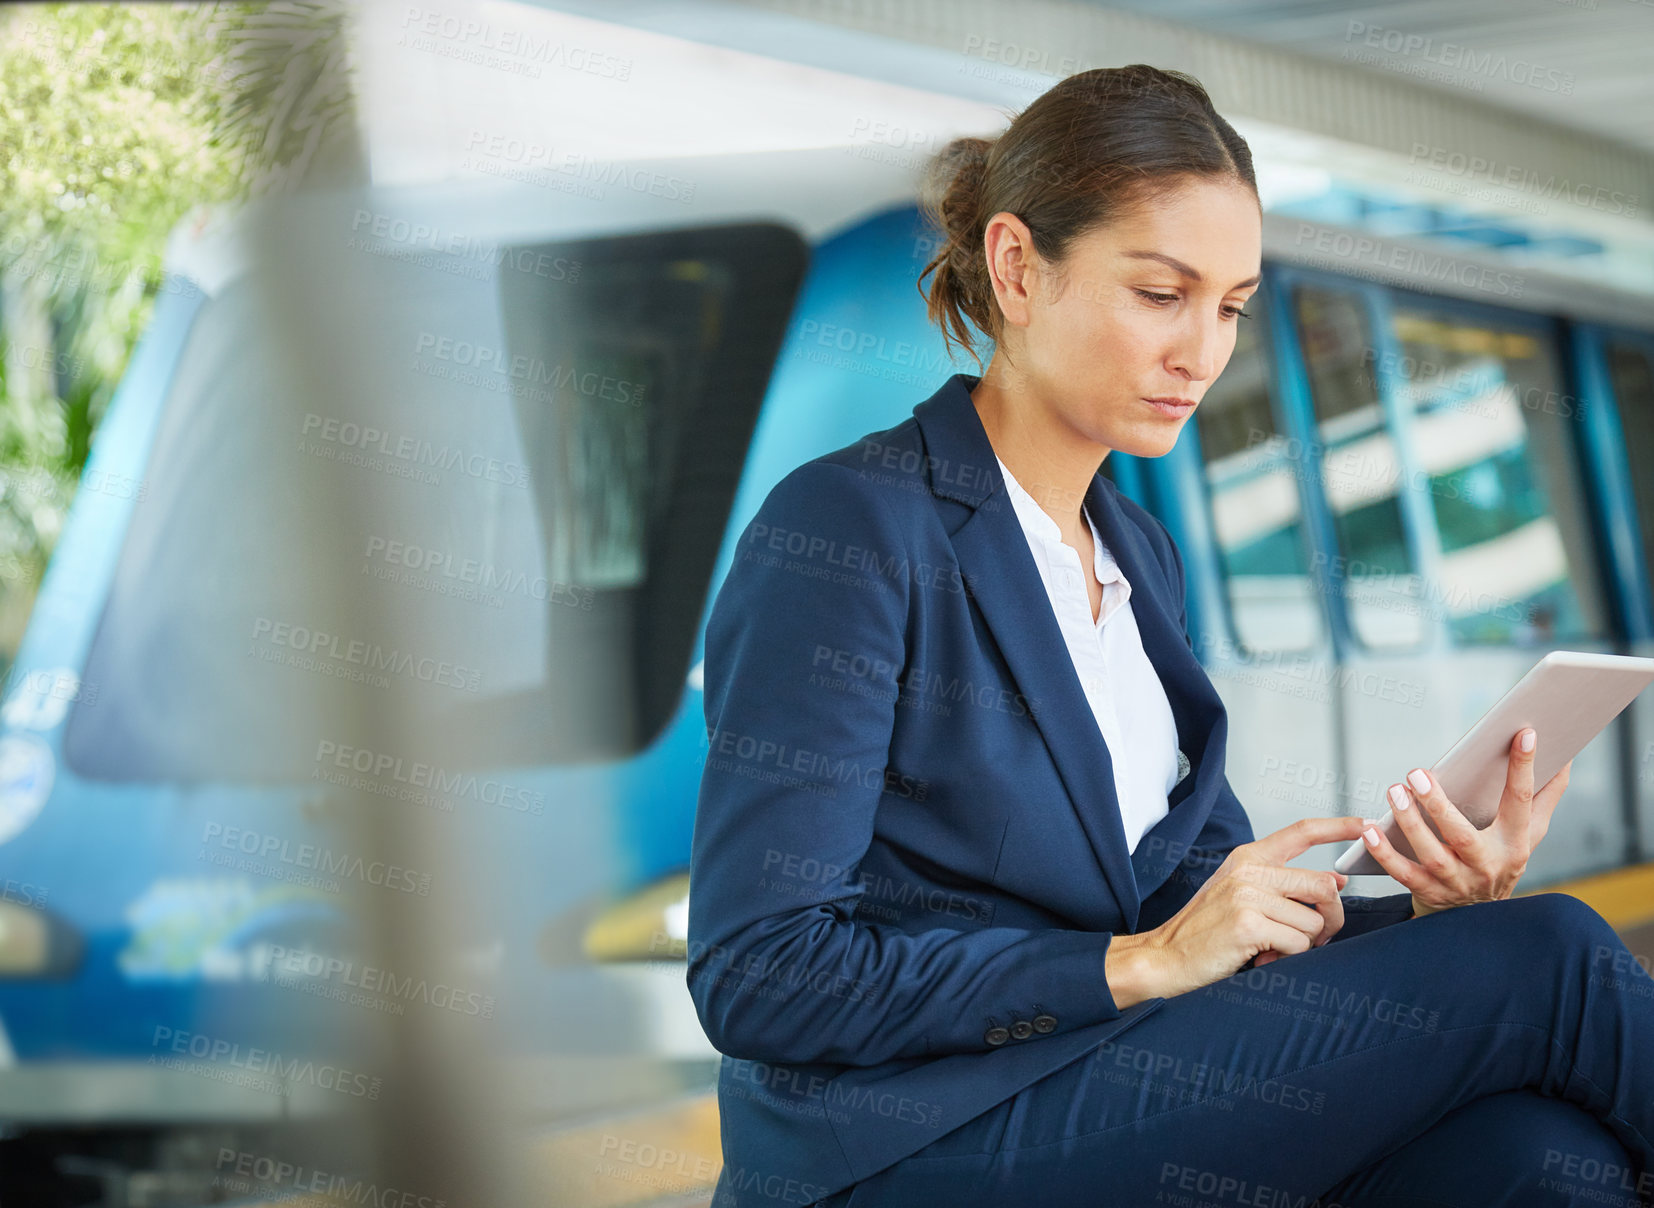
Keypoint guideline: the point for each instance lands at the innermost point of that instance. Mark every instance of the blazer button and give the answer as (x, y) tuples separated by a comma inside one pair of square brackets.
[(1045, 1023), (996, 1036), (1022, 1029)]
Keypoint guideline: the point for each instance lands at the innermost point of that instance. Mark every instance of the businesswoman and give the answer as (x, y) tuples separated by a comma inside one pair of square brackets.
[(975, 916)]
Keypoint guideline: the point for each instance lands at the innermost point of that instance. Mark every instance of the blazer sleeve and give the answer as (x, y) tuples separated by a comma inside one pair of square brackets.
[(1228, 827), (779, 968)]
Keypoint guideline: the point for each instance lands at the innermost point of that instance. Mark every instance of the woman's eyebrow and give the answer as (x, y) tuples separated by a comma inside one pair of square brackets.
[(1178, 265)]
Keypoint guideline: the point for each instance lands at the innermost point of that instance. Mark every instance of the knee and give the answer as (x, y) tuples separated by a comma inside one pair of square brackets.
[(1565, 921), (1556, 930), (1572, 1147), (1526, 1140)]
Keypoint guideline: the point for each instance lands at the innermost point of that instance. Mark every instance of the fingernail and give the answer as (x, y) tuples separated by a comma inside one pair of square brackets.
[(1372, 836), (1527, 740), (1398, 798), (1419, 781)]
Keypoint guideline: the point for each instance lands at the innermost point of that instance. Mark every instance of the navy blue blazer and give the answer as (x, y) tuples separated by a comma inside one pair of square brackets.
[(908, 860)]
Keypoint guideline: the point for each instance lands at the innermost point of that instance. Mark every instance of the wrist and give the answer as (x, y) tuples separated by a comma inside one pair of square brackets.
[(1132, 968)]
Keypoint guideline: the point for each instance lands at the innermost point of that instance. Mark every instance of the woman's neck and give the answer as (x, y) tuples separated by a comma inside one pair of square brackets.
[(1048, 458)]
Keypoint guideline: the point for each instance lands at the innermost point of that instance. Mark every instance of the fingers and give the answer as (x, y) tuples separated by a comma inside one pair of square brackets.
[(1333, 912), (1407, 873), (1545, 803), (1298, 837), (1297, 897), (1547, 798), (1516, 803), (1278, 937), (1300, 883), (1460, 840), (1428, 851), (1278, 899), (1306, 920)]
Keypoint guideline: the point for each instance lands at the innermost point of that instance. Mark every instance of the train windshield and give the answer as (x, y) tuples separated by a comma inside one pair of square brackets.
[(483, 508)]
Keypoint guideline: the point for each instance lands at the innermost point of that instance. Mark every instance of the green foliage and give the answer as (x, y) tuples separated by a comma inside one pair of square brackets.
[(106, 117), (115, 122), (284, 90)]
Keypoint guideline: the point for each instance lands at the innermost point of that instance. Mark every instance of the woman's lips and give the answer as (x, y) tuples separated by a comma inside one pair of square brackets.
[(1176, 408)]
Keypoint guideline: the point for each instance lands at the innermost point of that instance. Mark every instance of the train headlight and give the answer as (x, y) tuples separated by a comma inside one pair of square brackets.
[(33, 944), (650, 924)]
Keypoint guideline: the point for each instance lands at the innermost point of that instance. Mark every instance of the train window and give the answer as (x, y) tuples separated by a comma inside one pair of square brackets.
[(1632, 373), (1257, 517), (1360, 467), (483, 524), (1495, 438)]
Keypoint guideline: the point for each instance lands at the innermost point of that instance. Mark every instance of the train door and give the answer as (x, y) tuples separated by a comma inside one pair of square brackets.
[(1457, 541), (1620, 365)]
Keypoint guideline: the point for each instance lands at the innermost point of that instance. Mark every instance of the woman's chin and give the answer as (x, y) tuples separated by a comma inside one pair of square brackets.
[(1156, 443)]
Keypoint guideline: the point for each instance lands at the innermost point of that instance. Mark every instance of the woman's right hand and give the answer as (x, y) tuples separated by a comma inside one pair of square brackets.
[(1252, 904)]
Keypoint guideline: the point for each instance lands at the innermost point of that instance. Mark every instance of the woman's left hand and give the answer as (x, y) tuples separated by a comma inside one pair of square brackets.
[(1468, 865)]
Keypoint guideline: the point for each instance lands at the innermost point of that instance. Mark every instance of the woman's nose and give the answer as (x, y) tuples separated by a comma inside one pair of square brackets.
[(1195, 353)]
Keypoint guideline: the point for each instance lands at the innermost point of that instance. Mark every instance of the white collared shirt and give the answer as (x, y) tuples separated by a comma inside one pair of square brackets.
[(1121, 685)]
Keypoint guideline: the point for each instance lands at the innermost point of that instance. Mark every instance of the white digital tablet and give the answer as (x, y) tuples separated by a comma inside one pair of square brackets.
[(1567, 697)]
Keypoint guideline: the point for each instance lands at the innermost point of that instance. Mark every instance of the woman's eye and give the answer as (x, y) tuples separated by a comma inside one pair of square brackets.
[(1233, 312)]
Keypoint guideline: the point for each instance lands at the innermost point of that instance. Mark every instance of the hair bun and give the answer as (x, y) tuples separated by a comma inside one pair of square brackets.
[(954, 183)]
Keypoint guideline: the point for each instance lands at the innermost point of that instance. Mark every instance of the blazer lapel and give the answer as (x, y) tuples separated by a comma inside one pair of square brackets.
[(1196, 707), (1000, 574)]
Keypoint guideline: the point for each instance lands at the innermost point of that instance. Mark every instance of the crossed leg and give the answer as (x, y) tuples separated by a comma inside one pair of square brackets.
[(1333, 1068), (1515, 1148)]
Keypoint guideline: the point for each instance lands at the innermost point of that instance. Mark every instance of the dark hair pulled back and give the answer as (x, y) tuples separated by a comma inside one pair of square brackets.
[(1088, 151)]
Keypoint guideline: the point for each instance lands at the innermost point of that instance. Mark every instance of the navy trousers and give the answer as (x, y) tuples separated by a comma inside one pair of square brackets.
[(1489, 1055)]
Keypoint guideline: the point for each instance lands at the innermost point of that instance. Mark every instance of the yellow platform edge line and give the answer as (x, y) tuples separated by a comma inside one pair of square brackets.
[(1624, 896)]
